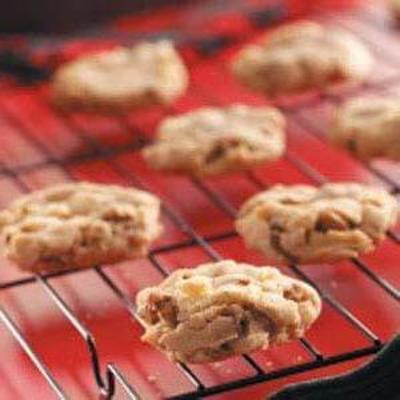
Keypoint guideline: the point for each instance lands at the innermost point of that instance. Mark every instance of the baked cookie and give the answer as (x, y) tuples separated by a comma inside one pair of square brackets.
[(79, 225), (368, 127), (301, 56), (149, 73), (214, 140), (223, 309), (305, 224)]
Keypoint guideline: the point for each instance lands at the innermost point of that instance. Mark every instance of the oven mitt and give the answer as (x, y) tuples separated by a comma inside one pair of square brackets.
[(377, 380)]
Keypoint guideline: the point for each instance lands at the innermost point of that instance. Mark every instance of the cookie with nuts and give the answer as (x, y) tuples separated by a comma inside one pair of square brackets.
[(306, 224), (302, 56), (79, 225), (368, 127), (215, 140), (219, 310), (122, 78)]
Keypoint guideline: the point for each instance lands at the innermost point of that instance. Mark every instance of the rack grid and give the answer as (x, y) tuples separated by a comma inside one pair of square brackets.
[(45, 138)]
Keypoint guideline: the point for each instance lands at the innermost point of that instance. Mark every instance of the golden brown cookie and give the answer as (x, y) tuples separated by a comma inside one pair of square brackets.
[(148, 73), (219, 310), (306, 224), (79, 225), (368, 127), (213, 140), (302, 56)]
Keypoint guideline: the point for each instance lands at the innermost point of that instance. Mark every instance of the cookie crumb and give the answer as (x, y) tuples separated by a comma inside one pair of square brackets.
[(269, 364)]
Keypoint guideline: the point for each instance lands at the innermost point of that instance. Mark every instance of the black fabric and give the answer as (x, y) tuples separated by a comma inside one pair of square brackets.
[(378, 380)]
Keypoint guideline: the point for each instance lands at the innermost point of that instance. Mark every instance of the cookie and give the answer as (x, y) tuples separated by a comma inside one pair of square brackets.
[(148, 73), (301, 56), (79, 225), (306, 224), (213, 140), (368, 127), (219, 310)]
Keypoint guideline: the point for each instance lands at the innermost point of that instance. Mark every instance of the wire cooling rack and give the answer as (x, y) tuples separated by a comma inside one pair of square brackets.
[(41, 146)]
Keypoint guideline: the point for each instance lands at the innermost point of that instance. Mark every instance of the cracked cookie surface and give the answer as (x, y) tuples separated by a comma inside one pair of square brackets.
[(148, 73), (306, 224), (218, 310), (301, 56), (79, 225), (213, 140), (368, 127)]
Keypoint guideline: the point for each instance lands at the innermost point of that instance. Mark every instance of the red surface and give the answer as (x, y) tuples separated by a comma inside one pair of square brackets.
[(40, 146)]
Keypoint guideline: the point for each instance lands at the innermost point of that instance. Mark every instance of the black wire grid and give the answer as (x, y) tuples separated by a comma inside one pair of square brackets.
[(109, 377)]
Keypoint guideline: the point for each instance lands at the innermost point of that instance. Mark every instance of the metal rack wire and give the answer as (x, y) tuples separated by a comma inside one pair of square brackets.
[(109, 377)]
